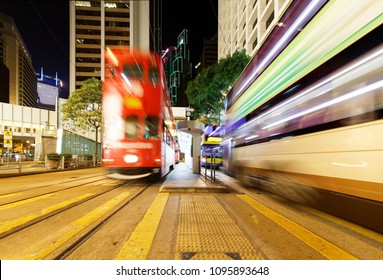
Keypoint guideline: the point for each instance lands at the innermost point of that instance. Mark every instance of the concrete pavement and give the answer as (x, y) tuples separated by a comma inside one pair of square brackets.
[(182, 179)]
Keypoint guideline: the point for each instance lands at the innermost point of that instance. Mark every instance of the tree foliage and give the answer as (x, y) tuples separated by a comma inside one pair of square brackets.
[(206, 93), (83, 107)]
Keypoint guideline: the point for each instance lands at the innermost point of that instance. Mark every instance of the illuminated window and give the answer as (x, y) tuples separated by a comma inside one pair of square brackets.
[(82, 3), (110, 5)]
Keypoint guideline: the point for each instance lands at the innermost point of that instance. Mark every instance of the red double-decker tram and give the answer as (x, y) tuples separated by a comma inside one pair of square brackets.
[(137, 116)]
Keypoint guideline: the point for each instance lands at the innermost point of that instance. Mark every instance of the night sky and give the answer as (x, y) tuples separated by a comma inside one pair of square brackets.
[(44, 27)]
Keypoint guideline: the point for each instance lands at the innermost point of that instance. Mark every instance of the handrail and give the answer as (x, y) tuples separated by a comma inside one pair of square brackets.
[(212, 167)]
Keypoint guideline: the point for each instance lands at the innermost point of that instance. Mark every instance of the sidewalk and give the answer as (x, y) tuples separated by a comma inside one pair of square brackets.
[(20, 168), (182, 179), (12, 169)]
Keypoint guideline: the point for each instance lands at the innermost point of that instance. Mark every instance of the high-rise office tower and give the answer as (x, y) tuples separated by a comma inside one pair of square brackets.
[(95, 25), (16, 65)]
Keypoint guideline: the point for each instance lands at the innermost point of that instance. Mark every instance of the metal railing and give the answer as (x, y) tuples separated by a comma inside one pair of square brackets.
[(212, 167), (29, 166), (67, 163)]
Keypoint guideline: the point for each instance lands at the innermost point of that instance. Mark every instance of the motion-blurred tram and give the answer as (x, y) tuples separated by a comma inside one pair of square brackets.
[(306, 113), (211, 155), (137, 116)]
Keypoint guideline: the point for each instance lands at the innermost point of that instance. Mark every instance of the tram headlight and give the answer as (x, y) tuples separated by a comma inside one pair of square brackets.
[(131, 158)]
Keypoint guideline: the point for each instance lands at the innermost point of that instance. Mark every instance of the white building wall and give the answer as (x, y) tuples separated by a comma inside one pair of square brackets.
[(245, 24), (34, 123), (23, 119)]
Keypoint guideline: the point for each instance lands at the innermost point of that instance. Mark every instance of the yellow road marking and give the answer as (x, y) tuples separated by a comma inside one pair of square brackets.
[(139, 243), (366, 232), (9, 195), (319, 244), (25, 201), (65, 203), (64, 234), (8, 225)]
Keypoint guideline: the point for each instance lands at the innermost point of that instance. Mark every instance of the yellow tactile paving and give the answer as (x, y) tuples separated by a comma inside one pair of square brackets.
[(206, 231)]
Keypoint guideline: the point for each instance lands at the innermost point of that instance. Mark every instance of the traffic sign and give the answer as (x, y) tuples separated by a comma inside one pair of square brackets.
[(8, 143), (7, 134)]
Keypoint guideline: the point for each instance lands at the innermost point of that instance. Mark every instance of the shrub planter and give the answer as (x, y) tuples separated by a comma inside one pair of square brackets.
[(52, 161), (67, 158)]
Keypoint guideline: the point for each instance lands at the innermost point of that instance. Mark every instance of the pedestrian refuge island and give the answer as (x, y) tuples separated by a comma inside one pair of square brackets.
[(195, 128)]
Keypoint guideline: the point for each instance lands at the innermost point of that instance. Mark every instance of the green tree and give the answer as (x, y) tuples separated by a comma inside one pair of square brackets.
[(207, 92), (83, 107)]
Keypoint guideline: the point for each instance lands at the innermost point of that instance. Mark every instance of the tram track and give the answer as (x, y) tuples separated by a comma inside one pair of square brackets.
[(37, 196), (59, 184), (81, 240), (133, 219), (105, 205), (4, 233)]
